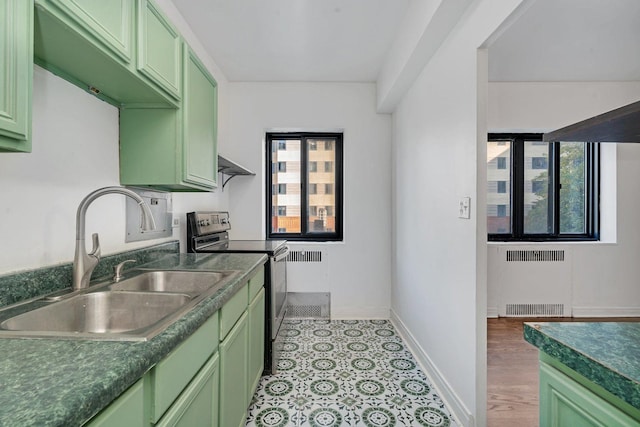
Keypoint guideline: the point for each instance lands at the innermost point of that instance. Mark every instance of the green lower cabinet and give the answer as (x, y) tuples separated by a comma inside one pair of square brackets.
[(126, 410), (198, 403), (256, 342), (16, 75), (234, 376), (572, 402)]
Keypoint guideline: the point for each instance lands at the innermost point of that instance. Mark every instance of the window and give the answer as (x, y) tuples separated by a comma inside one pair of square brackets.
[(282, 145), (328, 166), (282, 188), (308, 213), (549, 191)]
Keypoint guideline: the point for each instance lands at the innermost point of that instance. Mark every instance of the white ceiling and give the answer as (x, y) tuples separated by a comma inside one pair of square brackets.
[(570, 40), (347, 40), (295, 40)]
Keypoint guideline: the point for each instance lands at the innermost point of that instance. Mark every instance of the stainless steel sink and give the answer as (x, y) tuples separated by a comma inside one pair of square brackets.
[(188, 282), (99, 313), (133, 309)]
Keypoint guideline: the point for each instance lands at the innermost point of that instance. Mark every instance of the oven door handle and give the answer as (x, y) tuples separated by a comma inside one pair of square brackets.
[(281, 255)]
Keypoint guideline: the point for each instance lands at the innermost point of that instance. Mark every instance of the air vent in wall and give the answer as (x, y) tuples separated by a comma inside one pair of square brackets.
[(536, 255), (305, 256), (535, 310), (308, 305)]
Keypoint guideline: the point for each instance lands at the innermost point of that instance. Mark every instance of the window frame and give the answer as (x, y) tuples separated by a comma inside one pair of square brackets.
[(306, 234), (516, 194)]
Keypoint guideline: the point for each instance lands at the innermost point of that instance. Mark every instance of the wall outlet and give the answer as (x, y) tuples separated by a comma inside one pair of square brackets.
[(465, 208), (175, 223)]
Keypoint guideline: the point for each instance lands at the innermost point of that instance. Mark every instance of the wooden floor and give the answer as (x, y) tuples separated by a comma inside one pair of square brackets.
[(512, 372)]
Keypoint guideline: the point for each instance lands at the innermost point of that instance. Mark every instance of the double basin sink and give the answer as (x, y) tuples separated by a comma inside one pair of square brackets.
[(135, 308)]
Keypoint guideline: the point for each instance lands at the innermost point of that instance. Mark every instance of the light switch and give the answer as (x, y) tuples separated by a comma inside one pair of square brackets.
[(465, 208)]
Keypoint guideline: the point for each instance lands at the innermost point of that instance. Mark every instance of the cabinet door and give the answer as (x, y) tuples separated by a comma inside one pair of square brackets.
[(198, 404), (565, 402), (199, 123), (126, 410), (256, 343), (159, 49), (16, 77), (108, 23), (233, 376)]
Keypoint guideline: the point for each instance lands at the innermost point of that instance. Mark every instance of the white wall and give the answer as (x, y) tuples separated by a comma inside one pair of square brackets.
[(438, 282), (603, 275), (358, 269)]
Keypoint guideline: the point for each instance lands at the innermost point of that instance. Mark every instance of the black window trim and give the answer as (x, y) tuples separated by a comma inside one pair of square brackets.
[(305, 235), (592, 192)]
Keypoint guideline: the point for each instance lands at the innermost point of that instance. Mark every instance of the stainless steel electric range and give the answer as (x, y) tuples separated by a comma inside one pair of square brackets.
[(208, 232)]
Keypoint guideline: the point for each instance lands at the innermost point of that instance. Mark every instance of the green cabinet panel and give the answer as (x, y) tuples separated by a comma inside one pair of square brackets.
[(107, 23), (256, 283), (198, 404), (169, 377), (91, 43), (173, 149), (200, 123), (256, 342), (16, 77), (232, 310), (126, 410), (233, 376), (159, 49), (564, 401)]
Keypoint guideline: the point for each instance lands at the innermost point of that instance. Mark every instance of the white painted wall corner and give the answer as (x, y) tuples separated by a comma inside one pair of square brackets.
[(452, 401)]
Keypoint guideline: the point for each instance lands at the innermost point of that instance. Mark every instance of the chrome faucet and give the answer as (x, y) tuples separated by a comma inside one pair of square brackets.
[(84, 263)]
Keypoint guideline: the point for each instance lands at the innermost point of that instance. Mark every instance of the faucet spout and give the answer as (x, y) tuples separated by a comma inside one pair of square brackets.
[(84, 263)]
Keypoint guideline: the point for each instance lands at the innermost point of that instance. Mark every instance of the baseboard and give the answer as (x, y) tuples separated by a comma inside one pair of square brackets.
[(606, 311), (448, 395), (356, 313), (492, 312)]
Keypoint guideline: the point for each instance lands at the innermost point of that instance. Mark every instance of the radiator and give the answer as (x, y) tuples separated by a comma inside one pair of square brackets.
[(532, 282), (304, 256)]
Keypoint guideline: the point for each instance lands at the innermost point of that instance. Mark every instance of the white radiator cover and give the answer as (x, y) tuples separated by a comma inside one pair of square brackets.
[(533, 282), (307, 270)]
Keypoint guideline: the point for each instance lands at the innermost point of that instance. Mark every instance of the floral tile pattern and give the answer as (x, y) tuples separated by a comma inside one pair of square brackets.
[(346, 373)]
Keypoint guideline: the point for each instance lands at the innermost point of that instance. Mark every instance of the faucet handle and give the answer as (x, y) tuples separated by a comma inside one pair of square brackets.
[(118, 269), (95, 251)]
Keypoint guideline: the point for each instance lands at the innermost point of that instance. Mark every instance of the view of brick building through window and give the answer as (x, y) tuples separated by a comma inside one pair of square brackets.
[(287, 184)]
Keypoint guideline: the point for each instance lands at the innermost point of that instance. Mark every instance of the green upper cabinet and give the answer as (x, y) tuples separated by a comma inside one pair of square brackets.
[(159, 48), (173, 149), (200, 123), (16, 77), (97, 45)]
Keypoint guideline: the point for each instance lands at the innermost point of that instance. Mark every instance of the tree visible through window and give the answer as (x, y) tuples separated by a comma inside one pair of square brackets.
[(550, 191), (312, 196)]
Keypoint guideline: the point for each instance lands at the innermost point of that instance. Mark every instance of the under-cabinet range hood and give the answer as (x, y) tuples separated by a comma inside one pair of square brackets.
[(619, 125), (230, 169)]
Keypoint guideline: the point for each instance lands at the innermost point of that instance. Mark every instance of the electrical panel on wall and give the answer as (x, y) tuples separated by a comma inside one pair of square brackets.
[(160, 204)]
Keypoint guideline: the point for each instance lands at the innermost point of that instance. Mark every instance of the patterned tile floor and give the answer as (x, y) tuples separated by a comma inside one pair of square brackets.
[(346, 373)]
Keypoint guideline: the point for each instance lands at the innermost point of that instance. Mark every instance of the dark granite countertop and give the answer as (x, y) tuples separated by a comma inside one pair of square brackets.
[(606, 353), (49, 382)]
